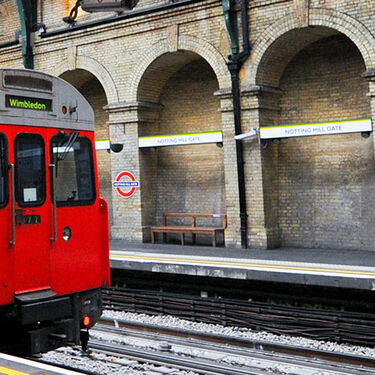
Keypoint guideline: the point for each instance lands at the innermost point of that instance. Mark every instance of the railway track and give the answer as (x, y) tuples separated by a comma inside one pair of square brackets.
[(214, 355), (329, 325), (197, 366), (124, 347), (142, 329)]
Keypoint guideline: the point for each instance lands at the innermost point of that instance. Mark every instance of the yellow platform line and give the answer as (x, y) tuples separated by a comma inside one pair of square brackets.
[(241, 264), (9, 371)]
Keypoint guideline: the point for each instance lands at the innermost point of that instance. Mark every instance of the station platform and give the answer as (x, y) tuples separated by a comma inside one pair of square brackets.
[(10, 365), (353, 269)]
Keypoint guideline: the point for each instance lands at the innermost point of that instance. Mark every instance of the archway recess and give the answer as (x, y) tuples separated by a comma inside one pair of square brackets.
[(318, 191), (188, 45), (92, 66), (185, 178)]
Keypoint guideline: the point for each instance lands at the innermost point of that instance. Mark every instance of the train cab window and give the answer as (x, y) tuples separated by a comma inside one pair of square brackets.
[(75, 179), (3, 171), (30, 170)]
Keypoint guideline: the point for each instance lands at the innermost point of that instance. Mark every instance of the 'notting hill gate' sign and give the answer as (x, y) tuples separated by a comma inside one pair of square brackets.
[(324, 128)]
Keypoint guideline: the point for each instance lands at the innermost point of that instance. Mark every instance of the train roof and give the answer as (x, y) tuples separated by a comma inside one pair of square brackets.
[(33, 98)]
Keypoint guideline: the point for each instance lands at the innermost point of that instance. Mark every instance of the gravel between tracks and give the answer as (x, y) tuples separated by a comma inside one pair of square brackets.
[(173, 322), (106, 365)]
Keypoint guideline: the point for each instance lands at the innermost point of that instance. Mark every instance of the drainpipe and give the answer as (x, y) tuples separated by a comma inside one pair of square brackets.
[(27, 10), (236, 60)]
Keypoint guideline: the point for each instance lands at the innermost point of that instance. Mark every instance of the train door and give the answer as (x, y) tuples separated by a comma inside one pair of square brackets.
[(6, 257), (76, 250), (32, 214)]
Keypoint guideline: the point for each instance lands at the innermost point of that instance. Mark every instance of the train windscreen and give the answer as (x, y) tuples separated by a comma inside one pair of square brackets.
[(30, 170), (75, 179)]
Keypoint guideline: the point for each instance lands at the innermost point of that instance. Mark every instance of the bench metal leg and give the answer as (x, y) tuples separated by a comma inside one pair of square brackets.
[(182, 239), (152, 237), (214, 239)]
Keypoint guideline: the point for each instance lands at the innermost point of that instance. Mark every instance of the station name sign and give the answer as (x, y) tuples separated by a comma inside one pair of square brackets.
[(324, 128), (181, 139), (23, 102)]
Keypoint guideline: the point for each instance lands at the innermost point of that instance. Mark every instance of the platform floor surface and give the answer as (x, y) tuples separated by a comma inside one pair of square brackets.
[(354, 269), (10, 365), (319, 256)]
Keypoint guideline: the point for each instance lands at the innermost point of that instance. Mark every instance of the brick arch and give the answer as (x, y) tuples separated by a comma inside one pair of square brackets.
[(271, 46), (185, 43), (96, 69)]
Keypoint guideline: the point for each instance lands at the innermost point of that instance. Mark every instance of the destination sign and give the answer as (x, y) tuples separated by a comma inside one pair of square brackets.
[(23, 102)]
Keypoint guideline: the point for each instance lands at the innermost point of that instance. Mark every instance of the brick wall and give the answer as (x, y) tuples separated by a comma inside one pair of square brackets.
[(322, 179), (134, 59), (9, 20), (52, 12), (186, 178)]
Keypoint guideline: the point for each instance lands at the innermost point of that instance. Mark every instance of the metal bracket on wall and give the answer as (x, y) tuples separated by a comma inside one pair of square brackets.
[(230, 17), (71, 19), (27, 10)]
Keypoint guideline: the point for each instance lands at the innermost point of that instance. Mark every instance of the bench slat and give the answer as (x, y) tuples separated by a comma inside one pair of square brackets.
[(186, 229)]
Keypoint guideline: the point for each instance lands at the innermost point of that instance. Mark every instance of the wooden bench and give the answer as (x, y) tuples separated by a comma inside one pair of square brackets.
[(193, 229)]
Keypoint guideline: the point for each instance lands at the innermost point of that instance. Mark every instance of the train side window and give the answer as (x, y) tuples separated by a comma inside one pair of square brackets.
[(75, 178), (3, 171), (30, 170)]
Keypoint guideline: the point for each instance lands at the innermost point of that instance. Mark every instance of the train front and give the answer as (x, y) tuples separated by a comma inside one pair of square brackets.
[(54, 240)]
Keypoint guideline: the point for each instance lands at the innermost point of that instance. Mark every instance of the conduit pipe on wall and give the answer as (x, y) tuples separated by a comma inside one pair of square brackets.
[(11, 43), (236, 60), (121, 17)]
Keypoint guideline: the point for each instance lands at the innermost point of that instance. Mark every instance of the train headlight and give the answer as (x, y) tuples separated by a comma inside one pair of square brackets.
[(67, 234)]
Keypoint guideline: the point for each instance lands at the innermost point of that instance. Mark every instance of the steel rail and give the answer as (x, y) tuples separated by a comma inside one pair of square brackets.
[(268, 360), (144, 356), (259, 348)]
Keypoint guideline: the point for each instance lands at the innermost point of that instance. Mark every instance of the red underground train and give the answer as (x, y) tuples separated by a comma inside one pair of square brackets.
[(54, 224)]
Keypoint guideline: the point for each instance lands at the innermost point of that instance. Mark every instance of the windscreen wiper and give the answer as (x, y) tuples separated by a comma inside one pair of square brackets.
[(68, 146)]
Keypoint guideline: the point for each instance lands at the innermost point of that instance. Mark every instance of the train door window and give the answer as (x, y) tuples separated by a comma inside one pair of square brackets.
[(75, 179), (3, 171), (30, 170)]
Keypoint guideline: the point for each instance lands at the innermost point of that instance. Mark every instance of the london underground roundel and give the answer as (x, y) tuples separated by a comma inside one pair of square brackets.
[(126, 184)]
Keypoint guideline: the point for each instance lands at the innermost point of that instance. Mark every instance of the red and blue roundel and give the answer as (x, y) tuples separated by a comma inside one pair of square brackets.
[(126, 187)]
